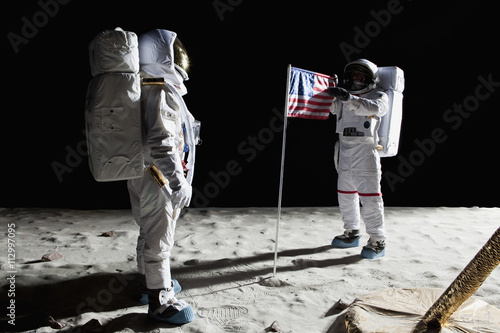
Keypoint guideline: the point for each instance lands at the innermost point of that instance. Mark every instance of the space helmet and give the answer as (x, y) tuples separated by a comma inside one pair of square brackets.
[(357, 84)]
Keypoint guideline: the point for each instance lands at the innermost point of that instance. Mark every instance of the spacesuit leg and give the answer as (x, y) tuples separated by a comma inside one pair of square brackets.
[(134, 186), (372, 211), (348, 201), (157, 223), (372, 204)]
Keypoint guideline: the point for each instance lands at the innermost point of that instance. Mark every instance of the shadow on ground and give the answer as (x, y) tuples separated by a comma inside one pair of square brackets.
[(108, 292)]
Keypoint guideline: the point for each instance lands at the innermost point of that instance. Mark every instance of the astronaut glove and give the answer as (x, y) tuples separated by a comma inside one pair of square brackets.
[(182, 197), (340, 93)]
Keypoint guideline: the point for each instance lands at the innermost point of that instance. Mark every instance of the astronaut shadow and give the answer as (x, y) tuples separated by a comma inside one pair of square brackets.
[(100, 292), (197, 273), (130, 322)]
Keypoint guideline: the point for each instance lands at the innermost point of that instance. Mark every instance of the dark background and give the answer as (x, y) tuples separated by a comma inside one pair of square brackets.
[(240, 51)]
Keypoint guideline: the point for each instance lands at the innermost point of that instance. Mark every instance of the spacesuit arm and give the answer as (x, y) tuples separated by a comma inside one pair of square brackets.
[(369, 107), (162, 119), (336, 106)]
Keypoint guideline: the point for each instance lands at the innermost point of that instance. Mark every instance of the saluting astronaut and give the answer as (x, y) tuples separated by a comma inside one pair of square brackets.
[(359, 106)]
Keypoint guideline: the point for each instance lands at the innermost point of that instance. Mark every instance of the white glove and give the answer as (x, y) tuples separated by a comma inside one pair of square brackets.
[(182, 197)]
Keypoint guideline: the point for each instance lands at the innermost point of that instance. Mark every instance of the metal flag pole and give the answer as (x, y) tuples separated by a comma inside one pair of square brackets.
[(280, 195)]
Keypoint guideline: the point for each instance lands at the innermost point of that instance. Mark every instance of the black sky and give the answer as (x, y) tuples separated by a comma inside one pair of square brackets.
[(240, 51)]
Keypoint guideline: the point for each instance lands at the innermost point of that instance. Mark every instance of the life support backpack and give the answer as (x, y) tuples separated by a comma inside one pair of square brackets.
[(113, 107), (392, 81)]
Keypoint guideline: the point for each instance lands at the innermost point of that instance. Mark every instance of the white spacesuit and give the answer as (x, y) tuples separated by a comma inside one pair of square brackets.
[(359, 108), (163, 63)]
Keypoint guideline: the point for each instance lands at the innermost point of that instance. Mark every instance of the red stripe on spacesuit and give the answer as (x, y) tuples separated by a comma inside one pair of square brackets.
[(347, 192), (361, 194), (370, 194)]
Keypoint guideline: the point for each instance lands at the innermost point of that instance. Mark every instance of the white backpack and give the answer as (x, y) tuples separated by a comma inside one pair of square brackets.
[(113, 107), (393, 82)]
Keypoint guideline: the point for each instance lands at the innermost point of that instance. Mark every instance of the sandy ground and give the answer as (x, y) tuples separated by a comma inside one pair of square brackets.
[(223, 259)]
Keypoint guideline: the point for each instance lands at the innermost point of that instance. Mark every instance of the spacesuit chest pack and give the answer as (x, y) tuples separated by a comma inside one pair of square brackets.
[(354, 127)]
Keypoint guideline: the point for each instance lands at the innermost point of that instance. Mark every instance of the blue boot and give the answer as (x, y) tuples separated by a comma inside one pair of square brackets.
[(350, 238), (374, 249), (144, 293), (165, 307)]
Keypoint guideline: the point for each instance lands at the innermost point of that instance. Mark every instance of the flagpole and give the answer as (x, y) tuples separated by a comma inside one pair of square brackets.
[(280, 195)]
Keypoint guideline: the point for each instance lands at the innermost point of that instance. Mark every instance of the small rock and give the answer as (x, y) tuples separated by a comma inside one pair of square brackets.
[(54, 324), (108, 234), (275, 327), (52, 256), (273, 282), (192, 262)]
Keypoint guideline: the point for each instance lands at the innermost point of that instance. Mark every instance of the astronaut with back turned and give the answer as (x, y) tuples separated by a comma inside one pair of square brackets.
[(359, 106), (167, 136)]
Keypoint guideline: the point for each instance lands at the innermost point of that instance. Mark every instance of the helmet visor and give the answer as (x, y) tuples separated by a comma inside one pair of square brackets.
[(358, 77), (181, 57)]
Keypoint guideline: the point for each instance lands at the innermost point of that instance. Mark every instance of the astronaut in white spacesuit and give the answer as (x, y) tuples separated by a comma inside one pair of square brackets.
[(164, 62), (359, 105)]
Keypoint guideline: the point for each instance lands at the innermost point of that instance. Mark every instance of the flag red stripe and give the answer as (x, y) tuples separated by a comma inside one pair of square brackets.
[(305, 108), (294, 101)]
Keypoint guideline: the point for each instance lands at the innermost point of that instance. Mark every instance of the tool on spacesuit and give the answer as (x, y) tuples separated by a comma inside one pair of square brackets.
[(160, 179)]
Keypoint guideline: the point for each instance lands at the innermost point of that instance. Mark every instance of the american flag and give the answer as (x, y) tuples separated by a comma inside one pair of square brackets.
[(308, 96)]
